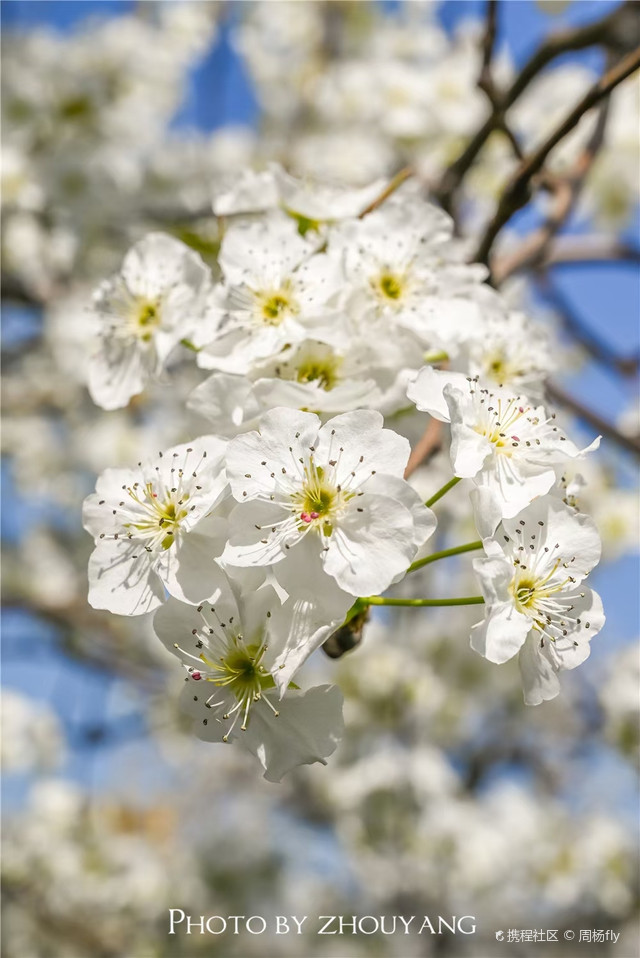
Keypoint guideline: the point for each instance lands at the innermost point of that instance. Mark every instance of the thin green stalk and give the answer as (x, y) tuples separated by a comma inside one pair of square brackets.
[(456, 550), (189, 345), (418, 603), (441, 492)]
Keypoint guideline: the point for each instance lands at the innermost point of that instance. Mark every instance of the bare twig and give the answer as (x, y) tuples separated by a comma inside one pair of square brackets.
[(567, 190), (391, 187), (517, 192), (426, 446), (608, 31), (630, 443), (587, 250), (485, 80)]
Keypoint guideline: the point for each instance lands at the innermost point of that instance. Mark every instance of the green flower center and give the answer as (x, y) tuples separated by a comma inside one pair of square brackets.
[(390, 286), (240, 670), (525, 593), (146, 318), (274, 305), (162, 517), (242, 673), (322, 372), (319, 501)]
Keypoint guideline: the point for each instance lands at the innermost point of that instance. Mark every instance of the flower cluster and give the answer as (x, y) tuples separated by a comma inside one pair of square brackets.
[(330, 316)]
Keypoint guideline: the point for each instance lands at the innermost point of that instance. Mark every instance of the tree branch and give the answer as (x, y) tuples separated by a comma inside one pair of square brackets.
[(567, 191), (426, 446), (517, 192), (630, 443), (391, 187), (585, 250), (612, 31), (485, 80)]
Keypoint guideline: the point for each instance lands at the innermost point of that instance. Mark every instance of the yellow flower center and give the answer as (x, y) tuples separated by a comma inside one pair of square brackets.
[(274, 305), (146, 318), (161, 517), (321, 371), (390, 285)]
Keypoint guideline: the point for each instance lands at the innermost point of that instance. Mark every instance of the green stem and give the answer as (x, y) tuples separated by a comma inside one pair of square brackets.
[(456, 550), (441, 492), (380, 600)]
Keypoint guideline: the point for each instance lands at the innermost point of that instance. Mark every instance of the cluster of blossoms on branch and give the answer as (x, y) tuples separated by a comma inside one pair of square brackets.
[(331, 315)]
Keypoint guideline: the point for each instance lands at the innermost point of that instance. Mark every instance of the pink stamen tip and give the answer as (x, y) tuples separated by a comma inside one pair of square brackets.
[(520, 408), (517, 438), (315, 515), (155, 495), (196, 676), (305, 517)]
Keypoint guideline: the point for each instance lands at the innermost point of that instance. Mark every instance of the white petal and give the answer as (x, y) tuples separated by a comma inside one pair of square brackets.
[(119, 371), (495, 574), (121, 583), (424, 519), (228, 401), (307, 730), (514, 484), (188, 568), (555, 524), (160, 262), (427, 390), (486, 511), (251, 539), (174, 622), (357, 441), (469, 449), (315, 608), (372, 546), (284, 437), (502, 633), (539, 678)]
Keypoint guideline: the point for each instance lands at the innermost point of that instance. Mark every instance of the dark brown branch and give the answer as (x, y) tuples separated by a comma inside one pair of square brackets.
[(557, 394), (611, 31), (485, 80), (14, 292), (517, 192), (566, 190)]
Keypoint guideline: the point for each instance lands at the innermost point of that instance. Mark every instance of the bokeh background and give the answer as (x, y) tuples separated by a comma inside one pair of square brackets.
[(447, 795)]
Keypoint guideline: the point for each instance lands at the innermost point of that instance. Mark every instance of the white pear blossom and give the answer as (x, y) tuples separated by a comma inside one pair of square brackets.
[(507, 349), (155, 528), (509, 447), (229, 648), (32, 736), (336, 490), (353, 155), (274, 293), (144, 311), (310, 204), (403, 270), (536, 605), (310, 375)]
